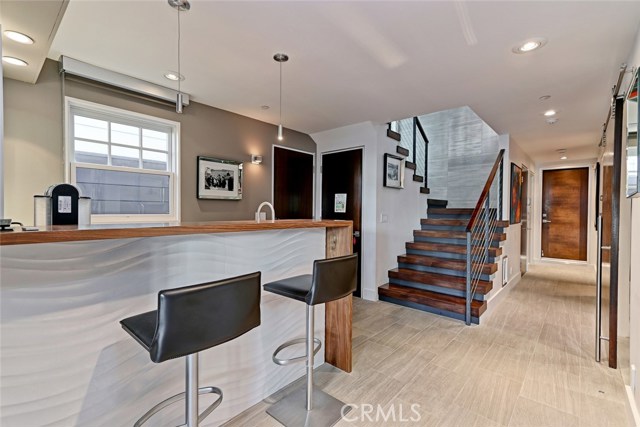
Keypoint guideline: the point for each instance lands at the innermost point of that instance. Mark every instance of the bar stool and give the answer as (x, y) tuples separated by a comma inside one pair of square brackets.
[(192, 319), (332, 279)]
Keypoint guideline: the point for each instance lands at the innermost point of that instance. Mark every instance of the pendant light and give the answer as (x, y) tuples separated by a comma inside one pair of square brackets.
[(180, 6), (280, 58)]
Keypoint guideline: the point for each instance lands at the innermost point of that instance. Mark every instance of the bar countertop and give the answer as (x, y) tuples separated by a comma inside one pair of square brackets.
[(72, 233)]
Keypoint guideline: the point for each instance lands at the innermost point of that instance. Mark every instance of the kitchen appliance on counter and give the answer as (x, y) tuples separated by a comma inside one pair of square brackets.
[(61, 205)]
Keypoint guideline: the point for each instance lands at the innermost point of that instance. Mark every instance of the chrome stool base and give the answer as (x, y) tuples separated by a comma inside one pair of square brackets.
[(291, 412), (193, 419)]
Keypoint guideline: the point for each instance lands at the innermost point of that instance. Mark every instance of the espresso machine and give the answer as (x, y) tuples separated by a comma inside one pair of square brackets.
[(61, 204)]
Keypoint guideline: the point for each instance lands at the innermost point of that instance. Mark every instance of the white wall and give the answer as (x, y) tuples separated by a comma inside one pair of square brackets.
[(511, 248), (402, 210), (362, 135)]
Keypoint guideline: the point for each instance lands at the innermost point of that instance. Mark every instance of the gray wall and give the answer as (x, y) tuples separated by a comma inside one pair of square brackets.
[(462, 151), (33, 145)]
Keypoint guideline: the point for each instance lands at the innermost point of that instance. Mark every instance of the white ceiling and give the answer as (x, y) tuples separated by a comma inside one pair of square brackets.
[(359, 61)]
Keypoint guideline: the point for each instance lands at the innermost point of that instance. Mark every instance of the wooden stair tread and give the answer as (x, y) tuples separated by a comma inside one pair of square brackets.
[(432, 299), (436, 279), (453, 234), (456, 222), (447, 247), (450, 264)]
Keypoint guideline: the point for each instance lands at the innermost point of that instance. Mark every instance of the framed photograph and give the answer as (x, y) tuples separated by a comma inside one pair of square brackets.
[(515, 211), (219, 179), (393, 171)]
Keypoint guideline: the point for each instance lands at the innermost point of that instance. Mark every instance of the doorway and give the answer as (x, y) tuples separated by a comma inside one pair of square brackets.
[(292, 183), (565, 213), (524, 227), (342, 195)]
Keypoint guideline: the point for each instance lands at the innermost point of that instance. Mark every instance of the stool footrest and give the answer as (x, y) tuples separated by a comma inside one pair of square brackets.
[(180, 396), (282, 362)]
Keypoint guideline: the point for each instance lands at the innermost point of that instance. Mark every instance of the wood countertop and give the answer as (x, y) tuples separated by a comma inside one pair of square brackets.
[(74, 233)]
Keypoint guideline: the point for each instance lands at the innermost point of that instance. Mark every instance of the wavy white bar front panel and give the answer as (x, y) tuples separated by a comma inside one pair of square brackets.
[(65, 360)]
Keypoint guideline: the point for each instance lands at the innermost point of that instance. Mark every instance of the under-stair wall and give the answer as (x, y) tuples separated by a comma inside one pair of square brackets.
[(398, 212)]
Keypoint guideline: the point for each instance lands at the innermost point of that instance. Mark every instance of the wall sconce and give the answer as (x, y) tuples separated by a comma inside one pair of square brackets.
[(255, 159)]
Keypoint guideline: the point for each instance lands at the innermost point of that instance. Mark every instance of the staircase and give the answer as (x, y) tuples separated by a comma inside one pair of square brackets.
[(431, 276)]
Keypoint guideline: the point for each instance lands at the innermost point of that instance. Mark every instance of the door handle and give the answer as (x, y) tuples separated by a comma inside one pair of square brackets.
[(356, 234), (546, 221)]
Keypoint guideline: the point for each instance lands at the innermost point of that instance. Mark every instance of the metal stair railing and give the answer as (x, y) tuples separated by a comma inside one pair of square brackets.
[(414, 138), (481, 229)]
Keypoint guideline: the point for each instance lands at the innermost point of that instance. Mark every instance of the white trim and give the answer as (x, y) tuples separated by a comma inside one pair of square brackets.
[(537, 211), (632, 408), (173, 154), (313, 171)]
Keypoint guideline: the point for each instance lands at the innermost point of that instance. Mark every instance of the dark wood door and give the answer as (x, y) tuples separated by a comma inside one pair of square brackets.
[(565, 202), (342, 194), (292, 184)]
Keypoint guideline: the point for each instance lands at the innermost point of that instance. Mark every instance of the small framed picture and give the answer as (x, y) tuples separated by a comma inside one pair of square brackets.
[(219, 179), (393, 171)]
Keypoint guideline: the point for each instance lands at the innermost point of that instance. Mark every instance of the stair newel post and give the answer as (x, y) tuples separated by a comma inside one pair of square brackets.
[(415, 139), (500, 195), (426, 161), (467, 316)]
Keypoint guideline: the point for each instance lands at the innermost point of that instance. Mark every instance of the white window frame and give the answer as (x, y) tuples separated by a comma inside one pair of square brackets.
[(174, 161)]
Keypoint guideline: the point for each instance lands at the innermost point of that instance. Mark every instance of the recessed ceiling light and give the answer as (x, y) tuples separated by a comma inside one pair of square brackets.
[(550, 113), (14, 61), (563, 158), (173, 76), (544, 97), (264, 107), (529, 45), (18, 37)]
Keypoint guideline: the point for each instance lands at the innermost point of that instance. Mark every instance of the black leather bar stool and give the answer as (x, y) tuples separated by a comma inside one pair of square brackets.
[(192, 319), (332, 279)]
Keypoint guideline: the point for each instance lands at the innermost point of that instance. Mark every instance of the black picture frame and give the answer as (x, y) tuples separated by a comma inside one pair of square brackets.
[(393, 173), (219, 179)]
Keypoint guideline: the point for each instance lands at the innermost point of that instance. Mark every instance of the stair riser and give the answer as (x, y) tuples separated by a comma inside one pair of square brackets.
[(458, 273), (435, 227), (447, 255), (433, 288), (428, 309), (495, 243), (448, 216)]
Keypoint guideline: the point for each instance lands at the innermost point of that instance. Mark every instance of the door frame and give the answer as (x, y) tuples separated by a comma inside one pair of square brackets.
[(537, 213), (313, 172)]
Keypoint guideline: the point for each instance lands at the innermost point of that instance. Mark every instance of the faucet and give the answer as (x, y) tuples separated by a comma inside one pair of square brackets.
[(273, 212)]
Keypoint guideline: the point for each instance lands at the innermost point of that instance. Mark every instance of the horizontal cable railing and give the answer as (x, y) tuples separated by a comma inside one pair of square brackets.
[(481, 229)]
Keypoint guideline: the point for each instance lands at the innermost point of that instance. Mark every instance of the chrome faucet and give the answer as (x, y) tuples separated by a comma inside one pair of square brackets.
[(263, 204)]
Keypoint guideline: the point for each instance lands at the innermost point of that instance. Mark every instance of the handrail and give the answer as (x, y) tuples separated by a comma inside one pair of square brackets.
[(421, 129), (485, 191)]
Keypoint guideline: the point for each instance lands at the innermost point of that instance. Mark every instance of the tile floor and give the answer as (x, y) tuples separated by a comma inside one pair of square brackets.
[(529, 364)]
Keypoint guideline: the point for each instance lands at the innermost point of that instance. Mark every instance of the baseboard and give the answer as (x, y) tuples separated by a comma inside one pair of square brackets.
[(632, 408), (497, 298), (370, 295)]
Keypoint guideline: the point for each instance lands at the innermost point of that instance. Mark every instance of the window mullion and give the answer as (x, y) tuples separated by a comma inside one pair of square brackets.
[(109, 162)]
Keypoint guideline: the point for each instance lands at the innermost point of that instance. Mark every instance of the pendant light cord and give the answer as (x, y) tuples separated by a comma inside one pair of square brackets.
[(179, 74), (280, 93)]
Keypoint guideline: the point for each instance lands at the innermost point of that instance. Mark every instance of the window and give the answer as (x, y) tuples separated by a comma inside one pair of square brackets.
[(126, 162)]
